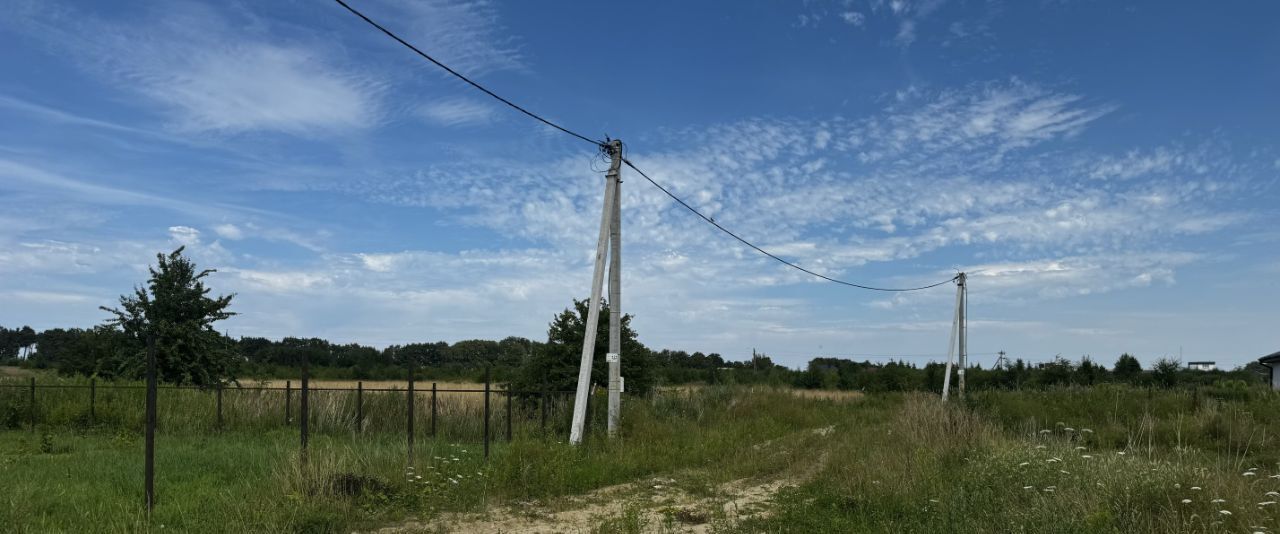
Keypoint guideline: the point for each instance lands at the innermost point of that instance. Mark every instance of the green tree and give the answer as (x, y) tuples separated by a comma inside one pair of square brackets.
[(1128, 368), (176, 310), (554, 365), (1165, 372)]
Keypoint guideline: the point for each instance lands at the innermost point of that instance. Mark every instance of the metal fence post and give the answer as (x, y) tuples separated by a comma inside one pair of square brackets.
[(93, 400), (219, 392), (288, 400), (149, 462), (542, 406), (359, 406), (486, 413), (304, 408), (409, 416), (508, 415), (433, 409), (32, 403)]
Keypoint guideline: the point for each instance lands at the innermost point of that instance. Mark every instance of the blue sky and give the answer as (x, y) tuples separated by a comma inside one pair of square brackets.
[(1105, 171)]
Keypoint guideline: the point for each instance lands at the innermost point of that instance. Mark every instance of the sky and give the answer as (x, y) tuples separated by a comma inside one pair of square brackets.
[(1105, 172)]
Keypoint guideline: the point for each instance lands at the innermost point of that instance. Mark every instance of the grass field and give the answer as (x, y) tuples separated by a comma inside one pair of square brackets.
[(715, 459)]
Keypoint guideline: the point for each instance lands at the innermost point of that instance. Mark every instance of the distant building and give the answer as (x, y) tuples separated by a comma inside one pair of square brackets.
[(1271, 361), (1202, 366)]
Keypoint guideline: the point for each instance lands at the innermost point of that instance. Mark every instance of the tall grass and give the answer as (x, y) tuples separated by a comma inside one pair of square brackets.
[(459, 415), (249, 479), (1106, 459)]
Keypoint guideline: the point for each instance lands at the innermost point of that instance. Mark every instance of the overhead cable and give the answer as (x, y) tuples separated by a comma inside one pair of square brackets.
[(604, 145)]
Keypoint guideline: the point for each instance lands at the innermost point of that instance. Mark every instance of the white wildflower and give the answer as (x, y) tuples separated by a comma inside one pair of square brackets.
[(1224, 512), (1195, 488), (1186, 501), (1216, 501)]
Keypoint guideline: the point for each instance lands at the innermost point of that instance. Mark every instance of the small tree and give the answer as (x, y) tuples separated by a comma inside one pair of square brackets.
[(175, 309), (554, 366), (1128, 368), (1165, 372)]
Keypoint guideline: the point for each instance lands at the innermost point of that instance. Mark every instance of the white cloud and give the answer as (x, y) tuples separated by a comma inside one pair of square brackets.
[(229, 231), (50, 297), (213, 73), (456, 111), (185, 235), (906, 33), (853, 18), (465, 35), (973, 167)]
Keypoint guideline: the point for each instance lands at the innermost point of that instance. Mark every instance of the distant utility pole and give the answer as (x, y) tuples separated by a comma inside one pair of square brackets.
[(1000, 360), (609, 217), (958, 343)]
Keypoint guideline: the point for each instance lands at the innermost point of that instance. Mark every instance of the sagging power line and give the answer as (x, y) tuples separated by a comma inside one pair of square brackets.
[(606, 145)]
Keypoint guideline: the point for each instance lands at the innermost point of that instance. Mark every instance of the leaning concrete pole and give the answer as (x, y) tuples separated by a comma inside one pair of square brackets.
[(614, 357), (951, 343), (593, 309)]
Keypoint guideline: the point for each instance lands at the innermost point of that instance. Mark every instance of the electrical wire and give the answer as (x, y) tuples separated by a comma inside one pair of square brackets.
[(482, 88), (603, 145), (712, 222)]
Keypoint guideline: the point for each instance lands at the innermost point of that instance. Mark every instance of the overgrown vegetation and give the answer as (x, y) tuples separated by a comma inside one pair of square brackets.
[(1065, 459)]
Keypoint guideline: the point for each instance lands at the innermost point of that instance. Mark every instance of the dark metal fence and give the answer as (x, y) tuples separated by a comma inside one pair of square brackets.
[(526, 405), (533, 406)]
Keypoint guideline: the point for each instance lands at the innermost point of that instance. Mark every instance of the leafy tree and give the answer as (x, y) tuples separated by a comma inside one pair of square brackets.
[(175, 309), (1165, 372), (554, 366), (1089, 373), (1128, 368)]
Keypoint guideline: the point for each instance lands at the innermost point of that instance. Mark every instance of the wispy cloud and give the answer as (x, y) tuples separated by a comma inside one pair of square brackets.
[(979, 166), (466, 35), (213, 74), (456, 111)]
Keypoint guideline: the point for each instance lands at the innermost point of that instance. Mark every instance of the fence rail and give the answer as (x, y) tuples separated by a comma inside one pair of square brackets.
[(448, 412)]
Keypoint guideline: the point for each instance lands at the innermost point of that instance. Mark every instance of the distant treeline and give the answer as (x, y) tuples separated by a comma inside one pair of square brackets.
[(833, 373), (92, 352)]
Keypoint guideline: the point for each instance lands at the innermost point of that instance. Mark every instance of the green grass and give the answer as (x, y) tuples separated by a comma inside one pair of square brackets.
[(934, 468), (1107, 459), (77, 478)]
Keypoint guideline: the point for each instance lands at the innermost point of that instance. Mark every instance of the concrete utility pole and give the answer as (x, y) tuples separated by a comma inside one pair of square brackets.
[(959, 342), (614, 357), (597, 281), (964, 330), (951, 343)]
